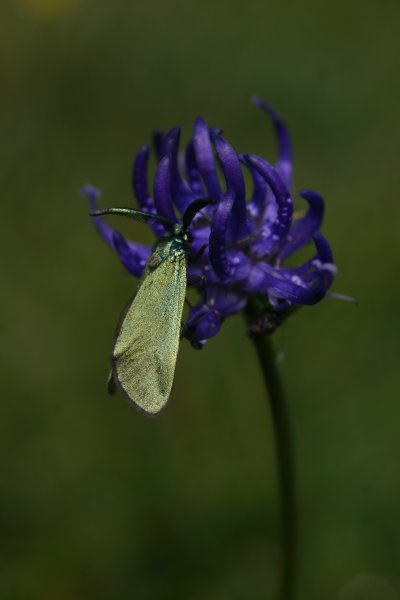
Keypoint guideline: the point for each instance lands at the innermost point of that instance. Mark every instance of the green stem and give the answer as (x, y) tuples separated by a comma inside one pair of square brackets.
[(285, 462)]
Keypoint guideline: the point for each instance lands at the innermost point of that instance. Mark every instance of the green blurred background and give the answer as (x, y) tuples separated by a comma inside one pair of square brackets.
[(96, 501)]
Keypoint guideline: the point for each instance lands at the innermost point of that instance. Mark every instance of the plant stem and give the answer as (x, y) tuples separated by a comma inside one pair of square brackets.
[(285, 462)]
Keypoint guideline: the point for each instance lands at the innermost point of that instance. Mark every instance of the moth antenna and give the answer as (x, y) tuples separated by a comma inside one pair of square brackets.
[(131, 213), (194, 208)]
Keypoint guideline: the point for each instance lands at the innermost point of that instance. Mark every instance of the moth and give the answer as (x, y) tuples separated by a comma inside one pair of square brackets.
[(147, 338)]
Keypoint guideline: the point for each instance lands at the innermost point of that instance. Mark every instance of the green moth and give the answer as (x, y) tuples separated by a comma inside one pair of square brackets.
[(147, 339)]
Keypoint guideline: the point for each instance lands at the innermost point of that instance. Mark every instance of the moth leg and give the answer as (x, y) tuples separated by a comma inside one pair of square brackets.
[(111, 387), (198, 254), (240, 243), (183, 330)]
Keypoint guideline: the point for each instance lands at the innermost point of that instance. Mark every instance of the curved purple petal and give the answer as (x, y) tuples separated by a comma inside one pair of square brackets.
[(192, 171), (226, 301), (217, 244), (139, 179), (324, 261), (268, 280), (303, 230), (162, 189), (257, 204), (132, 256), (228, 264), (171, 141), (181, 193), (281, 225), (205, 158), (284, 162), (93, 194), (202, 324), (306, 284), (324, 251), (140, 187), (158, 138), (234, 182)]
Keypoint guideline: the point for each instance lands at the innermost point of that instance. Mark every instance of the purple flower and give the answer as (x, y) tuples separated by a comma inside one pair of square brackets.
[(247, 236)]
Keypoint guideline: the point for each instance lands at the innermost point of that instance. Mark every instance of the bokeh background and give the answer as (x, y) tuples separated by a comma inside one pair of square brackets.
[(96, 501)]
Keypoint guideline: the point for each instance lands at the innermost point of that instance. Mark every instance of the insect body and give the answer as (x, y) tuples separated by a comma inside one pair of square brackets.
[(147, 338)]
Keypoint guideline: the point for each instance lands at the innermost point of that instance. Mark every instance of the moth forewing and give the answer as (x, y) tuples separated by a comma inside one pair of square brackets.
[(147, 339)]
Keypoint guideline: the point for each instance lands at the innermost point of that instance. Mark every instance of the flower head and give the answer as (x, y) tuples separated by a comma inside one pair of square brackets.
[(241, 242)]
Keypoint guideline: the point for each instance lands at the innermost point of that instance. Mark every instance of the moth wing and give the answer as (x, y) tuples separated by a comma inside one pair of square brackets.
[(147, 340)]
